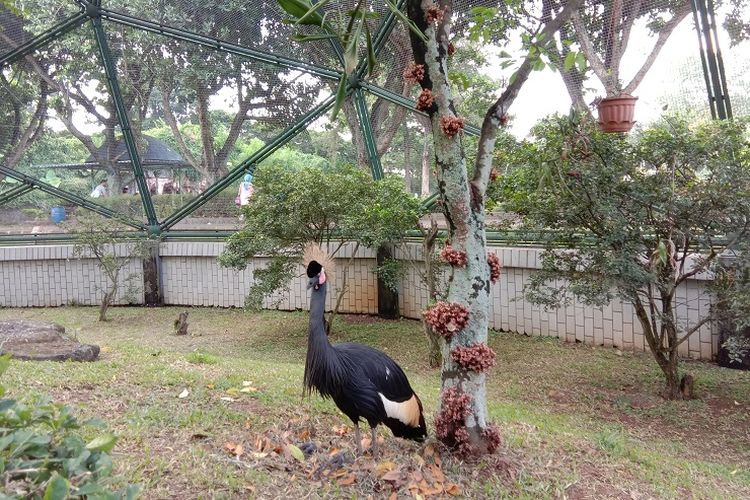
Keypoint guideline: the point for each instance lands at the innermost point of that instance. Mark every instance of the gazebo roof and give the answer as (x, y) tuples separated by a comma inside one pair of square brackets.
[(157, 153)]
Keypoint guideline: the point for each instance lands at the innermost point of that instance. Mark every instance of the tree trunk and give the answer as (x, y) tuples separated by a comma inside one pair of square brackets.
[(435, 355), (425, 191), (408, 167), (387, 298), (667, 360), (106, 302), (465, 216)]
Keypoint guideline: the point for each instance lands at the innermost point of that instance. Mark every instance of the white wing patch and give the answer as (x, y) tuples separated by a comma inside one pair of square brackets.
[(406, 412)]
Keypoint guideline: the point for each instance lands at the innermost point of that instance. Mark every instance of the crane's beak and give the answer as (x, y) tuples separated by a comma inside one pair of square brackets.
[(318, 280)]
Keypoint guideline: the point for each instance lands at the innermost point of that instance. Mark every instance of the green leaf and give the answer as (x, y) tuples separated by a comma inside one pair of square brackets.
[(409, 23), (299, 9), (539, 65), (352, 40), (104, 443), (312, 38), (372, 60), (57, 488), (340, 96), (312, 16), (296, 452), (570, 61), (581, 62)]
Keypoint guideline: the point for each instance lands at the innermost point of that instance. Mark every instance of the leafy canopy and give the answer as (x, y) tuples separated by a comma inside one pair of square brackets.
[(294, 206), (625, 202)]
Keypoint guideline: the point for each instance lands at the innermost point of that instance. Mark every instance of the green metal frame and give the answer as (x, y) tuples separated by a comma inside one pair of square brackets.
[(219, 45), (72, 198), (44, 38), (15, 192), (122, 117), (711, 60)]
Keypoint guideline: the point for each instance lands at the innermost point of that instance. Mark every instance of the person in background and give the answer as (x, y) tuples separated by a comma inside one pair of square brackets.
[(100, 190), (246, 189)]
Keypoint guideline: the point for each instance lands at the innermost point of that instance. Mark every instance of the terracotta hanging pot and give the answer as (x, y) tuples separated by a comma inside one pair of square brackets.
[(616, 113)]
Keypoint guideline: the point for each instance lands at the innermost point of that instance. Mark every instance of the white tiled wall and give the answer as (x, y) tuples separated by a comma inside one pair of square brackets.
[(190, 275)]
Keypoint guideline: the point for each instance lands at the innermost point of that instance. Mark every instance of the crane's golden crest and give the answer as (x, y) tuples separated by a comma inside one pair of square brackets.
[(313, 252)]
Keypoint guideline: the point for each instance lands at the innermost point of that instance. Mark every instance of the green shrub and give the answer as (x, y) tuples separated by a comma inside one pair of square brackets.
[(42, 454)]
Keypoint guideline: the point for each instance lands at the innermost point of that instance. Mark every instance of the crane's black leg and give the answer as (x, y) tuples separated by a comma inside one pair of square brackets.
[(374, 436), (358, 438)]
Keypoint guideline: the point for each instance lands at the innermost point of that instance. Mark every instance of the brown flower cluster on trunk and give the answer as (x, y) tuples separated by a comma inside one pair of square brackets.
[(493, 437), (494, 261), (414, 73), (433, 14), (449, 423), (447, 318), (453, 257), (451, 48), (451, 125), (424, 101), (478, 357), (493, 174)]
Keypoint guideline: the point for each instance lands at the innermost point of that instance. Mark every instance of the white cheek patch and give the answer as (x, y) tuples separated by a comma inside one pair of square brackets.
[(322, 278), (406, 412)]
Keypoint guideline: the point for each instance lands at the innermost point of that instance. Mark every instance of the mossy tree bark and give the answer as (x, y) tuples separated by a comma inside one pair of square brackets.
[(463, 199)]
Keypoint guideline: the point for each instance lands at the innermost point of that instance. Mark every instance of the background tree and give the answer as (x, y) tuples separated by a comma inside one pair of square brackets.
[(644, 215), (188, 76), (103, 240), (292, 207)]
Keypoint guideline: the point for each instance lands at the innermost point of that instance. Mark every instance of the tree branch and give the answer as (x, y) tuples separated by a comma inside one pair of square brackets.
[(587, 46), (497, 112), (629, 18), (664, 34), (694, 329), (172, 122)]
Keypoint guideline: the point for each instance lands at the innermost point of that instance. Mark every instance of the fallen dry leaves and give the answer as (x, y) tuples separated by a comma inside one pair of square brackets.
[(301, 452)]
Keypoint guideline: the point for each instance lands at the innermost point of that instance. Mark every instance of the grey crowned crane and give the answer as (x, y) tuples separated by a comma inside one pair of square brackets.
[(365, 384)]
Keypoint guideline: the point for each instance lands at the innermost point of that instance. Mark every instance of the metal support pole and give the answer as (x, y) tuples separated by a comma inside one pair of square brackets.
[(713, 65), (248, 165), (370, 147), (219, 45), (122, 116), (14, 193), (44, 38), (73, 198)]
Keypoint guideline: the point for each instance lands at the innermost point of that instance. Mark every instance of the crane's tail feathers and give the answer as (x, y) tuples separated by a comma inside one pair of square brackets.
[(405, 419), (313, 252)]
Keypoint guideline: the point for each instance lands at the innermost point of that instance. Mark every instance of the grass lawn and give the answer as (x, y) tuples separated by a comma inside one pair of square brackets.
[(578, 422)]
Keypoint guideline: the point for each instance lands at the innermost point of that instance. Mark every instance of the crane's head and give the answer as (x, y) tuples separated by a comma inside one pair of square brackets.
[(319, 266), (316, 275)]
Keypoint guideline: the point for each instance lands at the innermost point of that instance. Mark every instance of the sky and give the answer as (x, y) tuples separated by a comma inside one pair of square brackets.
[(544, 93)]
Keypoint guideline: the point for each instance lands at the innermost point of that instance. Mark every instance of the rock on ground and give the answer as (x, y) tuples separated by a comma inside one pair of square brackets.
[(42, 341)]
